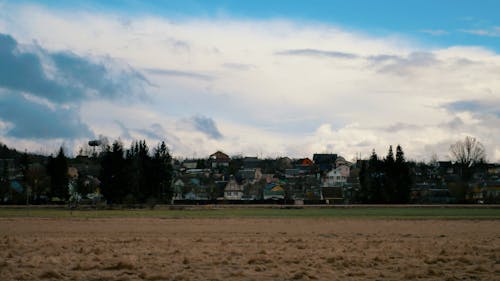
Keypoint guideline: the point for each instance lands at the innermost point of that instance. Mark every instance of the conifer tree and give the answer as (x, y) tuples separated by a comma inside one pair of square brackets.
[(390, 178), (58, 171), (403, 177)]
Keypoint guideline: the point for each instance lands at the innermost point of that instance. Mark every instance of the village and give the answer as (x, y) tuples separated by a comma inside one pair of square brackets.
[(327, 178), (324, 179)]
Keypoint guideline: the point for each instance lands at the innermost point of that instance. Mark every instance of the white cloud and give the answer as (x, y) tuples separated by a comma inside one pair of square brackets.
[(435, 32), (493, 32), (340, 91)]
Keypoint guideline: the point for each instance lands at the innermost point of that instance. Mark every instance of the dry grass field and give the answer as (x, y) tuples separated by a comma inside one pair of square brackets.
[(244, 248)]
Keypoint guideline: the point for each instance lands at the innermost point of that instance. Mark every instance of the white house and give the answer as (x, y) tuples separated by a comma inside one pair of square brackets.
[(233, 190), (336, 177)]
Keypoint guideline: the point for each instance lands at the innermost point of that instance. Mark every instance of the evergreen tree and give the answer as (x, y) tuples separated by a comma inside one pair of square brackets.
[(161, 172), (58, 172), (138, 165), (390, 175), (113, 173), (4, 181), (403, 177), (371, 180)]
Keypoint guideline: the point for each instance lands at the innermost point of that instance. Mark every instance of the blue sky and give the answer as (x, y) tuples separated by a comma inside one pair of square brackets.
[(441, 23), (265, 78)]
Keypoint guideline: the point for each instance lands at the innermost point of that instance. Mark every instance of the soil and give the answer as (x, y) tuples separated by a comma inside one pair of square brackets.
[(248, 249)]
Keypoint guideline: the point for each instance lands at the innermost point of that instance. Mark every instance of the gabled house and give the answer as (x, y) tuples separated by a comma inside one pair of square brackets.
[(305, 165), (340, 161), (233, 190), (336, 177), (177, 188), (219, 159)]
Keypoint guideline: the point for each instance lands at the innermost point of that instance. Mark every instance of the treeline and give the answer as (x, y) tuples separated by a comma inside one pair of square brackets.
[(385, 181), (135, 175)]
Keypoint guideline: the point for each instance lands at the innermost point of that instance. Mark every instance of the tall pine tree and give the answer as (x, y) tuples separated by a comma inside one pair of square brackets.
[(403, 178), (161, 172), (113, 173), (58, 172), (390, 174)]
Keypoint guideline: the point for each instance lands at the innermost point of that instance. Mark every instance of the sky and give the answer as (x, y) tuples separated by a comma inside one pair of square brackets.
[(255, 78)]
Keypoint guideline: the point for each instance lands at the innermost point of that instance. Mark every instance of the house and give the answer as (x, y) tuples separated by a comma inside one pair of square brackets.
[(325, 162), (274, 191), (177, 188), (332, 194), (340, 161), (251, 163), (233, 190), (336, 177), (219, 159), (250, 175), (305, 165), (190, 164), (486, 192), (220, 186), (305, 162)]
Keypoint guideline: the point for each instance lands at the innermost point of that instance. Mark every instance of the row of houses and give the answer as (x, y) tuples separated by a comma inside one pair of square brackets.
[(328, 178), (248, 178)]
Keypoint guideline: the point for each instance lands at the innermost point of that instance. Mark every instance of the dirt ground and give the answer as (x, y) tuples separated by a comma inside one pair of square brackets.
[(248, 249)]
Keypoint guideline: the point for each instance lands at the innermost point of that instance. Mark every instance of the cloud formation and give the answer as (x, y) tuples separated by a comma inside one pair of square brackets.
[(492, 32), (33, 120), (178, 73), (300, 87), (206, 125), (42, 90), (318, 53)]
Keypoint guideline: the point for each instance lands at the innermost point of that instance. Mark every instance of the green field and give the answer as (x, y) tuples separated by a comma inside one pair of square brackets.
[(359, 212)]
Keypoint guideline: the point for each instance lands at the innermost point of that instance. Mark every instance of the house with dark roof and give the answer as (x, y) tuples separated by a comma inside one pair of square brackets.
[(325, 162), (251, 163)]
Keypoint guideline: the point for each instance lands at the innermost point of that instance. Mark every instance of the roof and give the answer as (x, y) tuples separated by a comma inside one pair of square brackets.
[(220, 156), (305, 162), (322, 158)]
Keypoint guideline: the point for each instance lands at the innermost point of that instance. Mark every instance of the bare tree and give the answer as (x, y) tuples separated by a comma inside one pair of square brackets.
[(468, 154)]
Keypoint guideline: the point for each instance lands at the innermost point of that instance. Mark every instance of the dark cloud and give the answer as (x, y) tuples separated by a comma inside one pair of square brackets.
[(402, 65), (207, 126), (318, 53), (178, 73), (41, 92), (94, 79), (24, 72), (76, 78), (35, 120)]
